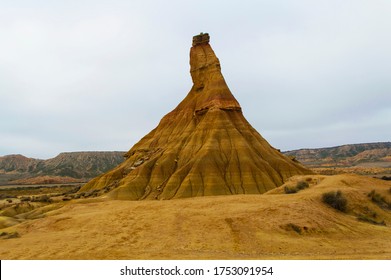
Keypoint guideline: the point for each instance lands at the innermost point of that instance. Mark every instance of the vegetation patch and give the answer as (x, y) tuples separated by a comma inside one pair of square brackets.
[(294, 227), (370, 216), (301, 185), (9, 235), (6, 196), (42, 198), (380, 200), (289, 190), (368, 219), (335, 200)]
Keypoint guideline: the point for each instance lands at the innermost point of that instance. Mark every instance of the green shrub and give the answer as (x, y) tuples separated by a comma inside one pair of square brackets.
[(335, 200)]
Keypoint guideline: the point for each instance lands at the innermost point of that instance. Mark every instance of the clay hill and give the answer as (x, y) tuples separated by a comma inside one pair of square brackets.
[(203, 147), (64, 168), (368, 154)]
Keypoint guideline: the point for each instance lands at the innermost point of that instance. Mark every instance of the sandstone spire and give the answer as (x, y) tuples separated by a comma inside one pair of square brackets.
[(203, 147)]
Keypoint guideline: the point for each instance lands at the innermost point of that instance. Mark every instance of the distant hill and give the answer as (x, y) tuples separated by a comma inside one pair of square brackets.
[(77, 165), (82, 166), (18, 163), (366, 155)]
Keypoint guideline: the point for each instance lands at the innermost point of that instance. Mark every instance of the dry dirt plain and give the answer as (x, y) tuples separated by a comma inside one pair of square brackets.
[(274, 225)]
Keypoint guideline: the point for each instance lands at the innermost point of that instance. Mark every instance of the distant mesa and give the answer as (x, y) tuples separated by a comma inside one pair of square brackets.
[(203, 147), (366, 159)]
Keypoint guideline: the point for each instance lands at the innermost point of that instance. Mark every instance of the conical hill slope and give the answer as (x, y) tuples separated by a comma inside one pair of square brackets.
[(203, 147)]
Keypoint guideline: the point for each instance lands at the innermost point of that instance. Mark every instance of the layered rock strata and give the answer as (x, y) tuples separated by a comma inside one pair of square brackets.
[(203, 147)]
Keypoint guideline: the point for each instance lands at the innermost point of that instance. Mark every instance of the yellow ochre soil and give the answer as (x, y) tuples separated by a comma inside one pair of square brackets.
[(273, 225)]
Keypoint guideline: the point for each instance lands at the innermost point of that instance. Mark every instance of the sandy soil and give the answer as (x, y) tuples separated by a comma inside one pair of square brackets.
[(270, 226)]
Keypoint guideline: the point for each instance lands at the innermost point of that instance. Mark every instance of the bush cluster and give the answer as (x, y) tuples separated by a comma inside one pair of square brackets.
[(367, 219), (335, 200), (299, 186), (302, 185), (379, 200), (9, 235), (42, 198), (289, 190), (72, 191)]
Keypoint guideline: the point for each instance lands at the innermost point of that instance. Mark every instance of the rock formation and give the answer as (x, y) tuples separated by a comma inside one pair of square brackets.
[(203, 147)]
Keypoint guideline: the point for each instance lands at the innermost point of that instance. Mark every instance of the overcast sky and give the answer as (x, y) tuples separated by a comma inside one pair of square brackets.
[(98, 75)]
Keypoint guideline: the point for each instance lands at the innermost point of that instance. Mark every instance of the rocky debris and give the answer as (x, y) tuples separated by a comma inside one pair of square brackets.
[(203, 147)]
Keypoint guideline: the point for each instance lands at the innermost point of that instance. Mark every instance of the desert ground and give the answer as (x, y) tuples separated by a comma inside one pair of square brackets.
[(274, 225)]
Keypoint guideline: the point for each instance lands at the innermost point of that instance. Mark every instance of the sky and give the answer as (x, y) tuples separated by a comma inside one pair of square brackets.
[(98, 75)]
